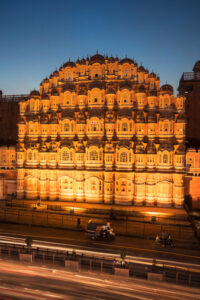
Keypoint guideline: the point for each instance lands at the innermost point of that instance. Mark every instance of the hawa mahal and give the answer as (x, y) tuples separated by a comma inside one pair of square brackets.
[(102, 130)]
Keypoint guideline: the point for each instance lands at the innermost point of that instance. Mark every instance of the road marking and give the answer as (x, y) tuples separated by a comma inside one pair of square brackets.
[(150, 250)]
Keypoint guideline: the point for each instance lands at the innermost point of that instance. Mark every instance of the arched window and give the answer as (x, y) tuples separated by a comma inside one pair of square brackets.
[(166, 126), (166, 102), (93, 155), (34, 155), (31, 127), (165, 158), (93, 186), (95, 126), (123, 157), (66, 127), (100, 185), (124, 126), (65, 155), (100, 155), (118, 126), (30, 156)]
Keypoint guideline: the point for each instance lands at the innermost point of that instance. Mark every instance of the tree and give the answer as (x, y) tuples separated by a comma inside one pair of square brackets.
[(123, 255), (188, 201), (29, 242)]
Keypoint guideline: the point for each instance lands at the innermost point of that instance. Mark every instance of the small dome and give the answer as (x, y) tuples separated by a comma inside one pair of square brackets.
[(82, 92), (81, 118), (43, 147), (68, 144), (52, 147), (139, 148), (68, 87), (109, 148), (124, 143), (54, 119), (141, 89), (56, 73), (167, 88), (125, 85), (33, 118), (80, 148), (95, 113), (69, 64), (125, 112), (197, 66), (152, 93), (152, 75), (180, 150), (20, 148), (46, 80), (34, 93), (166, 146), (45, 97), (151, 149), (69, 114), (139, 118), (21, 121), (151, 117), (181, 118), (109, 118), (110, 91), (165, 115), (97, 58), (141, 69), (111, 59), (82, 61), (44, 119), (126, 60), (54, 92), (32, 146), (94, 143), (96, 84)]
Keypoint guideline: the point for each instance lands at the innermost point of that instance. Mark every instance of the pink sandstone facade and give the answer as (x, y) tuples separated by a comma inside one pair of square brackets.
[(102, 130)]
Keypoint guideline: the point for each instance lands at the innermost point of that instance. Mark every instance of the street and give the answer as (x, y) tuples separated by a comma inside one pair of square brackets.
[(30, 282), (182, 252)]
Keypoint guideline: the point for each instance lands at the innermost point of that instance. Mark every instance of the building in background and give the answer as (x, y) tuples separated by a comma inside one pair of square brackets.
[(101, 130), (7, 171), (189, 86), (192, 179), (9, 113)]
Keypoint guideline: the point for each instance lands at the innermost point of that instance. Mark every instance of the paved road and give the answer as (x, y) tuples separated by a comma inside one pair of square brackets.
[(91, 251), (30, 282), (182, 252)]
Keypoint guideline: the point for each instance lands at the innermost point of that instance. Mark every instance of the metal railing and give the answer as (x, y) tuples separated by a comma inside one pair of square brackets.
[(13, 98), (80, 262)]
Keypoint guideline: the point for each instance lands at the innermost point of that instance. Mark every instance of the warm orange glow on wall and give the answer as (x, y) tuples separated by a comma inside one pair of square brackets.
[(102, 131)]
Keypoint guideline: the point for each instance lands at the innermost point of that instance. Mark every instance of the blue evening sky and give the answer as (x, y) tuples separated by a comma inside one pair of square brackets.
[(36, 37)]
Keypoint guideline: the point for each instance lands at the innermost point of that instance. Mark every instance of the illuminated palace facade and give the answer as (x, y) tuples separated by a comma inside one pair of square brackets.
[(102, 130)]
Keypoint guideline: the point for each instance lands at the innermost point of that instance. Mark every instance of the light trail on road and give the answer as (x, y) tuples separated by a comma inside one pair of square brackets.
[(32, 282)]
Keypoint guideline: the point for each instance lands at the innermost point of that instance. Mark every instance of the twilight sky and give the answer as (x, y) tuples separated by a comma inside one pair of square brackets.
[(37, 36)]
